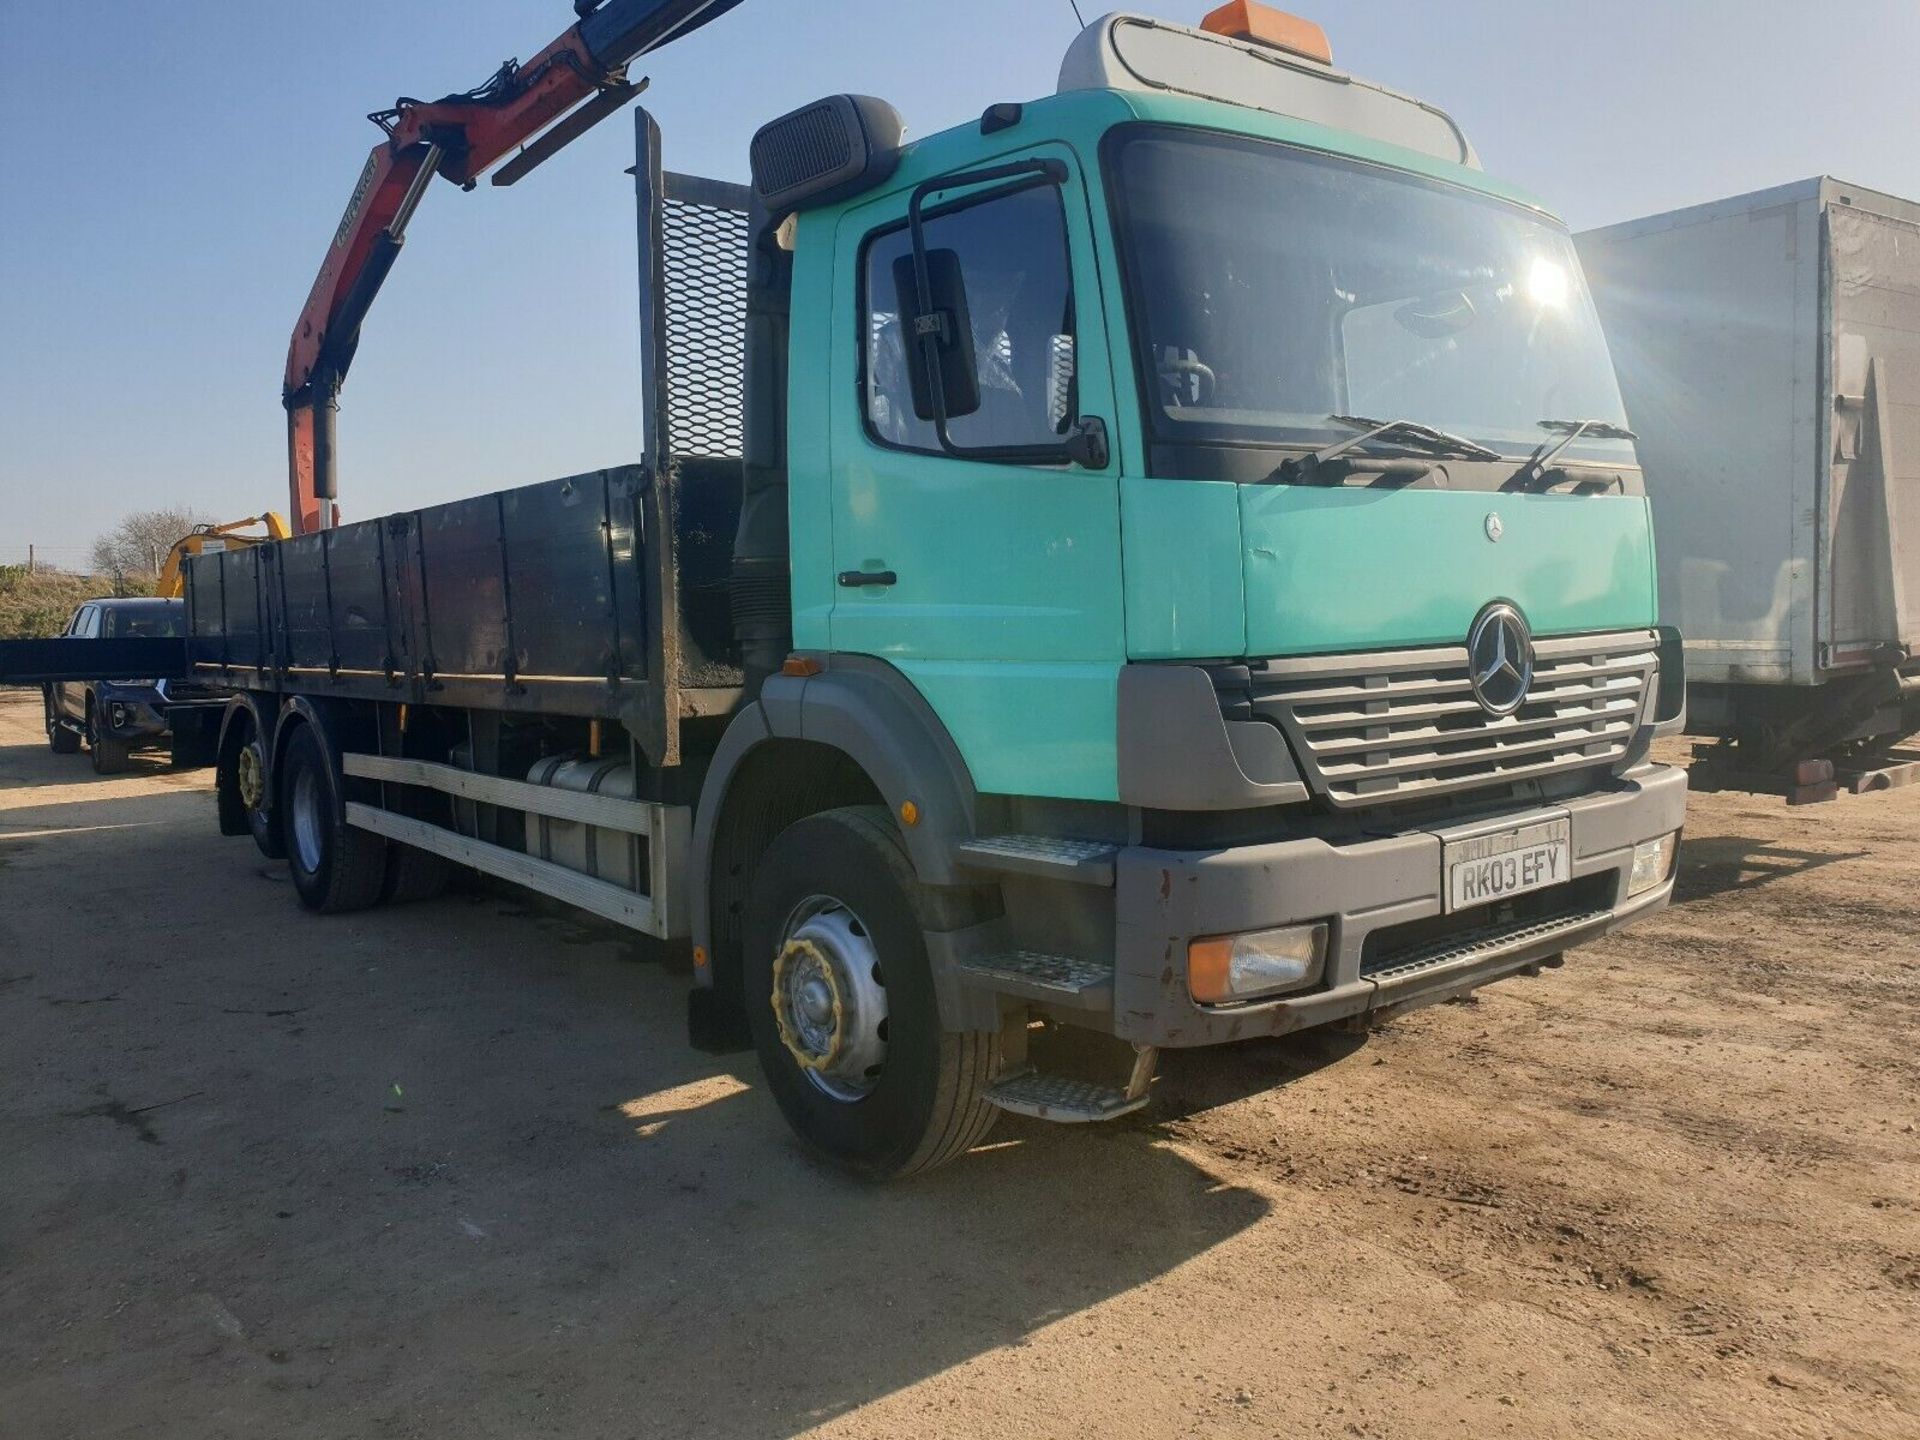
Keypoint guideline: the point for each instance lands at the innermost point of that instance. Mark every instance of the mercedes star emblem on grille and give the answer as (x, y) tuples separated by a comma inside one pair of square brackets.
[(1500, 658), (1495, 526)]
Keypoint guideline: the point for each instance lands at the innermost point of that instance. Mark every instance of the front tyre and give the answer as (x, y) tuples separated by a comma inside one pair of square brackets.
[(109, 755), (335, 867), (841, 1002)]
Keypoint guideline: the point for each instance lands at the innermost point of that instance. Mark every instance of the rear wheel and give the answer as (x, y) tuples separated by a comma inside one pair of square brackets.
[(841, 1002), (335, 867), (109, 755), (249, 793), (60, 739)]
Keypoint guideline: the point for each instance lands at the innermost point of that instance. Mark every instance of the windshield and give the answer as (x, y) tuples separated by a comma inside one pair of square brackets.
[(1273, 288), (160, 622)]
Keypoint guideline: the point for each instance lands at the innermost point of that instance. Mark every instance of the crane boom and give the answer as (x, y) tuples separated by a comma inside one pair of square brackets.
[(569, 86)]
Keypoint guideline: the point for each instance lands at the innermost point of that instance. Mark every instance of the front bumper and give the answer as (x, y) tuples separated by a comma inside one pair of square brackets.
[(1167, 898), (134, 721)]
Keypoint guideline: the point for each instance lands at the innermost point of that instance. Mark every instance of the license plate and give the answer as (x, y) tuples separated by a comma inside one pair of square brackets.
[(1486, 868)]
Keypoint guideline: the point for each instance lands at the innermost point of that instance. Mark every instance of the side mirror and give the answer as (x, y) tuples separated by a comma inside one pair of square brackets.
[(939, 339)]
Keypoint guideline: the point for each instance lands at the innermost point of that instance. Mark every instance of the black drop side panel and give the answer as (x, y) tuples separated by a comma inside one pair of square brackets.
[(533, 600), (305, 629), (457, 565), (364, 637), (244, 621), (571, 618)]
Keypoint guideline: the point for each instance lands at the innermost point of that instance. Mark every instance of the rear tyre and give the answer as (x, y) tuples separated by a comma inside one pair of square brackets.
[(841, 1002), (414, 874), (60, 739), (335, 867), (109, 755), (245, 795)]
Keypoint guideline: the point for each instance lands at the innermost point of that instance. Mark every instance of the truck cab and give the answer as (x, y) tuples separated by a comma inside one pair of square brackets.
[(1243, 507)]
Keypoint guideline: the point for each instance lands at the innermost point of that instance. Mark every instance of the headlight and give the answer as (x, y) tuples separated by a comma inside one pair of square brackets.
[(1652, 863), (1223, 968), (134, 684)]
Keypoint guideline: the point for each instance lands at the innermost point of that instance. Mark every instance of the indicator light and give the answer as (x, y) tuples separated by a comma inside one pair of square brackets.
[(1276, 29), (1225, 968)]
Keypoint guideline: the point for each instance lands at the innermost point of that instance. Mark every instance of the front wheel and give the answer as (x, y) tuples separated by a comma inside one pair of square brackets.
[(335, 867), (109, 755), (841, 1002)]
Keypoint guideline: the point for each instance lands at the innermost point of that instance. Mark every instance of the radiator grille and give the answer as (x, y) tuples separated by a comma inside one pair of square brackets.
[(1373, 729)]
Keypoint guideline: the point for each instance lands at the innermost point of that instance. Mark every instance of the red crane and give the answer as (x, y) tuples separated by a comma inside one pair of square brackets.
[(554, 98)]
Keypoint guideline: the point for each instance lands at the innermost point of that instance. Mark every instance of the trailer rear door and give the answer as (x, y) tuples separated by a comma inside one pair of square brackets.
[(1873, 498)]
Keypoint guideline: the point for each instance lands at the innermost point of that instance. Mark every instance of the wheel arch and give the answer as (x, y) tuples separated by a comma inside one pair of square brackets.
[(335, 722), (857, 733)]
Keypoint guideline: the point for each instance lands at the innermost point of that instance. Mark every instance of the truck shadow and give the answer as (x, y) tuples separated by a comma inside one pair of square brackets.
[(1722, 865), (1192, 1081), (453, 1167), (803, 1295), (467, 1178)]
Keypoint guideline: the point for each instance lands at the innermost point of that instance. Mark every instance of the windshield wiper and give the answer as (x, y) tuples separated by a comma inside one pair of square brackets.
[(1541, 464), (1429, 443)]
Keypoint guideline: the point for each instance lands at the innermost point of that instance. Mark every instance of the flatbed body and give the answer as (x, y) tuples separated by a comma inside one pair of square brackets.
[(593, 595)]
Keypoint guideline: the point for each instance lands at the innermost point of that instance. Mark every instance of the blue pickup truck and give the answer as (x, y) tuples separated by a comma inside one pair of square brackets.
[(117, 717)]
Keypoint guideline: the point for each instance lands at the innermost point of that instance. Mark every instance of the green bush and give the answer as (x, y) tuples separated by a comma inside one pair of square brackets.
[(39, 605)]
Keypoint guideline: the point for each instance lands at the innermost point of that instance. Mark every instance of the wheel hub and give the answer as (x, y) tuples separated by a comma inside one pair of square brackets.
[(830, 1000), (309, 820), (247, 773)]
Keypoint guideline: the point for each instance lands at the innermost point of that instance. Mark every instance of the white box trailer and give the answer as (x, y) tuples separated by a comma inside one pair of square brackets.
[(1768, 347)]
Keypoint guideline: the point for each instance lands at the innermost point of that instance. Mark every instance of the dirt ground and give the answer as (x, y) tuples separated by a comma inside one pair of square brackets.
[(450, 1170)]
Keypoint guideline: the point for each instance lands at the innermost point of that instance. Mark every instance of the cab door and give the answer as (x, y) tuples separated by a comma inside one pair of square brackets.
[(993, 585), (70, 696)]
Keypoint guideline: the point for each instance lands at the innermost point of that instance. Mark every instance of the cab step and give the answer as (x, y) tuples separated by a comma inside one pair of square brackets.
[(1068, 1101), (1062, 1100), (1058, 979), (1050, 857)]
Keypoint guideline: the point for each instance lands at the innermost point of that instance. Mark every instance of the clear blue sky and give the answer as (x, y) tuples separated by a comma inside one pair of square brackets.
[(169, 174)]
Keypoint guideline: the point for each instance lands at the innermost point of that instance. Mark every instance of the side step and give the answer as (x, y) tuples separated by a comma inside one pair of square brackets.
[(1067, 1101), (1085, 862), (1057, 979)]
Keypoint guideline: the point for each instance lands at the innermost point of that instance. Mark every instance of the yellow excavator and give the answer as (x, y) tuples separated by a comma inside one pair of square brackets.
[(227, 536)]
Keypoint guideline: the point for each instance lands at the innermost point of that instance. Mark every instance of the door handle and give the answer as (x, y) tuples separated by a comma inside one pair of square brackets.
[(854, 579)]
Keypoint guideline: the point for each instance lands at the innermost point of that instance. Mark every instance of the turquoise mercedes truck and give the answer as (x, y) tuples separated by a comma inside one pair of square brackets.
[(1159, 565)]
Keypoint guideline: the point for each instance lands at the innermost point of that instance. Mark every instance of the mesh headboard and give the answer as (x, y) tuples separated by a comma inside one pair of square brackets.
[(704, 239)]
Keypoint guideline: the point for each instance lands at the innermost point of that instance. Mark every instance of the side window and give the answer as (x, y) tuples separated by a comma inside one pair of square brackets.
[(1013, 255)]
